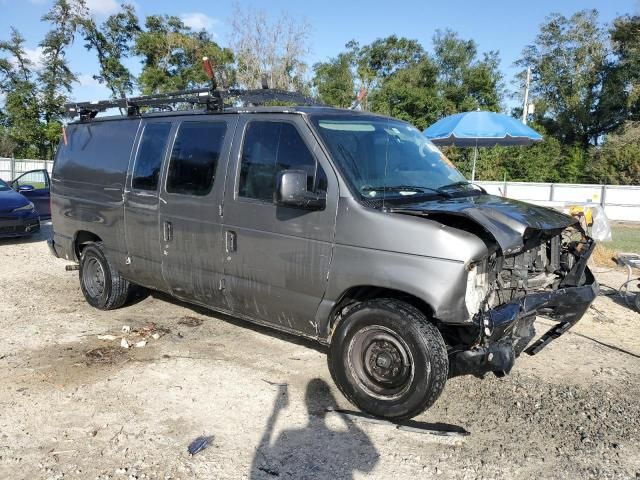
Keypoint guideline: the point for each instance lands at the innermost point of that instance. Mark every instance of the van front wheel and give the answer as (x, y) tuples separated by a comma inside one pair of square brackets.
[(102, 285), (387, 359)]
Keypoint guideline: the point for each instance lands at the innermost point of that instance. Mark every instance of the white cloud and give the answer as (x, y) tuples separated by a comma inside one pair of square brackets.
[(102, 8), (198, 21), (33, 54), (87, 80)]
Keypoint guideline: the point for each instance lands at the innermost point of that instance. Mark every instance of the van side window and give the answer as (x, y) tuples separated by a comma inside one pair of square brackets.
[(152, 146), (270, 147), (194, 158)]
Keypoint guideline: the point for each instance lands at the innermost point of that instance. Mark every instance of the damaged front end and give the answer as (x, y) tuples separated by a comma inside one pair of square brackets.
[(535, 264), (547, 275)]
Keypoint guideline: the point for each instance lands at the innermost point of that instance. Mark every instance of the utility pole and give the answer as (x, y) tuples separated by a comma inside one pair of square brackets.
[(525, 107)]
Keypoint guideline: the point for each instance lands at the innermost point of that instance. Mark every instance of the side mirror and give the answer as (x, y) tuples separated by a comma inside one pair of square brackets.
[(26, 188), (291, 191)]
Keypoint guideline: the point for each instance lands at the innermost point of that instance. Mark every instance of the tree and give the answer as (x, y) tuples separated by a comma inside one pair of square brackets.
[(172, 55), (23, 133), (618, 160), (385, 56), (410, 94), (625, 35), (334, 81), (466, 83), (576, 87), (55, 76), (276, 49), (113, 42)]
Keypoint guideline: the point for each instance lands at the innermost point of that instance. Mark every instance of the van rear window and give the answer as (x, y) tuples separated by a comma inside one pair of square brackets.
[(194, 158), (152, 147), (97, 153)]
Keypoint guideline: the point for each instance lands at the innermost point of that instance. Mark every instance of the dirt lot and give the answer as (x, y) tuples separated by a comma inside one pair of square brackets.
[(74, 404)]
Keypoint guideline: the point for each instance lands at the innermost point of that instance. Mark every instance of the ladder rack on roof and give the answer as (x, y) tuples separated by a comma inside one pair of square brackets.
[(211, 99)]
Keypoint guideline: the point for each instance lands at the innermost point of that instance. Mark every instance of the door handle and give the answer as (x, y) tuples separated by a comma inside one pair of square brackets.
[(230, 240), (168, 231)]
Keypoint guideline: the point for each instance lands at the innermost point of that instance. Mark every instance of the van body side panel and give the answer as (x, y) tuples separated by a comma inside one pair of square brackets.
[(438, 282), (191, 229), (277, 259), (420, 257), (87, 185), (141, 213)]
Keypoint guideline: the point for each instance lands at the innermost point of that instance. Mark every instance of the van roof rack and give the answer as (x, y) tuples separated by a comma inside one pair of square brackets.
[(212, 99)]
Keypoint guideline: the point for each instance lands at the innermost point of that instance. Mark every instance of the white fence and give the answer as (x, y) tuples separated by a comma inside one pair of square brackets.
[(10, 168), (619, 202)]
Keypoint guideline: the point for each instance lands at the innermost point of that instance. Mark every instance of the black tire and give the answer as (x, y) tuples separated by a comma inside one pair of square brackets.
[(101, 283), (387, 359)]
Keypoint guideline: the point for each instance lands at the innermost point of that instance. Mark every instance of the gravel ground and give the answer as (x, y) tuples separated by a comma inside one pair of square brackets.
[(75, 404)]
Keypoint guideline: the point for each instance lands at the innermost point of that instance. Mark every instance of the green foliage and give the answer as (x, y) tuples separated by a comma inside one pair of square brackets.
[(385, 56), (112, 42), (34, 98), (410, 94), (464, 82), (625, 36), (618, 160), (334, 81), (577, 88), (405, 82), (172, 55), (547, 161), (55, 77), (22, 128)]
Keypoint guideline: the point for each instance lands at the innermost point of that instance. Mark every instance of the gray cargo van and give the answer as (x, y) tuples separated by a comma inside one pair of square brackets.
[(345, 227)]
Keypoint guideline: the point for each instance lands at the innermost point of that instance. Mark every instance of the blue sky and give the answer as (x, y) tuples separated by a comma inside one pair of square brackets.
[(501, 25)]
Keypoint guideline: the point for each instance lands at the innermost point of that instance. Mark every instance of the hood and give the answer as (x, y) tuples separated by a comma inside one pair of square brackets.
[(10, 199), (510, 222)]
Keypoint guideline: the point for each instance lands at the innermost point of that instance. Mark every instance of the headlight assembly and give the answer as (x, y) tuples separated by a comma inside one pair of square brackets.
[(477, 287), (25, 208)]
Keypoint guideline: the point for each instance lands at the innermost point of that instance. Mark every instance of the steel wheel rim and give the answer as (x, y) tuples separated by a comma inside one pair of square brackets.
[(93, 277), (380, 362)]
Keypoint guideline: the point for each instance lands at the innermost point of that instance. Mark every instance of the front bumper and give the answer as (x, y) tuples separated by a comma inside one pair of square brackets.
[(19, 225), (508, 329)]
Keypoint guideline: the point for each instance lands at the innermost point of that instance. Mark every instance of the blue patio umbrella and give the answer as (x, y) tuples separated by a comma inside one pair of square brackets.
[(480, 129)]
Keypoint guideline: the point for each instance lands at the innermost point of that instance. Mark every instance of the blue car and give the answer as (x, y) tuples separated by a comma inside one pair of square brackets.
[(18, 217), (34, 185)]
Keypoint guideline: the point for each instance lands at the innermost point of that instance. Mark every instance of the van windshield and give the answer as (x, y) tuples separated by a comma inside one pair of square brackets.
[(385, 158), (4, 187)]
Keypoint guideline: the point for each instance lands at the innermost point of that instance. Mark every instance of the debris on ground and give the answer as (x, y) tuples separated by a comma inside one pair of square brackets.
[(103, 354), (126, 329), (141, 344), (124, 343), (199, 444), (107, 337), (190, 321)]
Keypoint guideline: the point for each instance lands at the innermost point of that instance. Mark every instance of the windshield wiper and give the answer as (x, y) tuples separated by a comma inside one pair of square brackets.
[(459, 184), (405, 188)]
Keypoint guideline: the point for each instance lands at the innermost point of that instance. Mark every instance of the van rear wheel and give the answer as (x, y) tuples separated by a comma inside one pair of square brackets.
[(388, 360), (102, 285)]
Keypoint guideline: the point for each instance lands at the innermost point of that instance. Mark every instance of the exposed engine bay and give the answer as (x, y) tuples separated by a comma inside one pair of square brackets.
[(535, 264), (505, 293), (541, 267)]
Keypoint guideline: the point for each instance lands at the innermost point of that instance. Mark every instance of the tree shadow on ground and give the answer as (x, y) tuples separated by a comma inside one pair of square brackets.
[(315, 450)]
